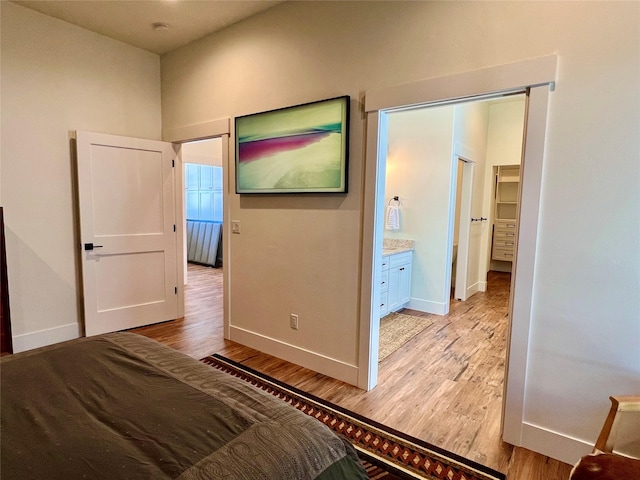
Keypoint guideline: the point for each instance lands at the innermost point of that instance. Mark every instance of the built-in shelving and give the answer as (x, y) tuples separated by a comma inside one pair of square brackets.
[(505, 212)]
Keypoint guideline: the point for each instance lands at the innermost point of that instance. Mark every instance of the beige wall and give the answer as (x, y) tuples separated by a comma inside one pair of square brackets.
[(301, 254), (57, 78)]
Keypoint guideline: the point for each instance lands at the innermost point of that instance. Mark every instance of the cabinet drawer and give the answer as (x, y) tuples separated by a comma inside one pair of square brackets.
[(505, 225), (504, 242), (385, 263), (384, 307), (400, 259), (505, 254), (384, 281), (504, 234)]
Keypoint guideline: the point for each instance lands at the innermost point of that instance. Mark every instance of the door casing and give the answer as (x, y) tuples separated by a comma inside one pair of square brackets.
[(534, 77)]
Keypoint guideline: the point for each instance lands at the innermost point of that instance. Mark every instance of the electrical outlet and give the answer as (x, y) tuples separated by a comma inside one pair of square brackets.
[(293, 321)]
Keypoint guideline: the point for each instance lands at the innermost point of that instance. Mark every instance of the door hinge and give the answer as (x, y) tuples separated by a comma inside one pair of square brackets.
[(174, 227), (173, 164), (175, 290)]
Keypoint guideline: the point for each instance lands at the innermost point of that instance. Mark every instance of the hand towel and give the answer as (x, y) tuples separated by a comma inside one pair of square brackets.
[(393, 218)]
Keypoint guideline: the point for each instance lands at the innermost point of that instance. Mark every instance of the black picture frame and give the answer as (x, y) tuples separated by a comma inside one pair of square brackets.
[(298, 149)]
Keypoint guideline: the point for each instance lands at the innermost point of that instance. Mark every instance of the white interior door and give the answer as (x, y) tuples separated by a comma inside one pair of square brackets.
[(127, 231), (461, 291)]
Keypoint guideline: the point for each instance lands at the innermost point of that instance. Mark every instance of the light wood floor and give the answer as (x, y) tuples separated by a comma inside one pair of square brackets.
[(444, 386)]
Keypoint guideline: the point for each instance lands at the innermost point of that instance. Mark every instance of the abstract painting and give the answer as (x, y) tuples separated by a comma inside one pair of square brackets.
[(300, 149)]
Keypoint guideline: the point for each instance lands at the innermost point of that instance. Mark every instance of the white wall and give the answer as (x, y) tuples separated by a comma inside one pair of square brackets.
[(419, 172), (504, 147), (57, 78), (506, 123), (301, 254)]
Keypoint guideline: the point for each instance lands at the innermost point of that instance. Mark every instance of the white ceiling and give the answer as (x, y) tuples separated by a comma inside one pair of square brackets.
[(131, 21)]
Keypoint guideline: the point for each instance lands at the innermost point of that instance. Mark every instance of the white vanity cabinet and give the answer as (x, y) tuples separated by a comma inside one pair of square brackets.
[(395, 281), (384, 286)]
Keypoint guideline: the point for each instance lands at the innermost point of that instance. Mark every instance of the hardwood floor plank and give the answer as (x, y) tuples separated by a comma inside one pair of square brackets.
[(444, 386)]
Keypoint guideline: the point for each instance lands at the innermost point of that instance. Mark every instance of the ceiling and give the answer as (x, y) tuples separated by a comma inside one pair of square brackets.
[(132, 21)]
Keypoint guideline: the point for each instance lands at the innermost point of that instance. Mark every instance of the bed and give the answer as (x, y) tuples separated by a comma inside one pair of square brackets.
[(122, 406)]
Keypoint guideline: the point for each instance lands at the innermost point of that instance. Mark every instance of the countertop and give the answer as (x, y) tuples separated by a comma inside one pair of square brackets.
[(392, 246), (395, 250)]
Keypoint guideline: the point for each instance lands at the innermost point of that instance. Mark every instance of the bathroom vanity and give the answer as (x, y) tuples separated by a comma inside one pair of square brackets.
[(395, 275)]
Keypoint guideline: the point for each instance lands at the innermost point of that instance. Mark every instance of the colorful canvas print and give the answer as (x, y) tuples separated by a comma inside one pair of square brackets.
[(301, 149)]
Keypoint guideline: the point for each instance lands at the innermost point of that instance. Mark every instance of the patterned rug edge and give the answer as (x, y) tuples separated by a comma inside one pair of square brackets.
[(407, 456)]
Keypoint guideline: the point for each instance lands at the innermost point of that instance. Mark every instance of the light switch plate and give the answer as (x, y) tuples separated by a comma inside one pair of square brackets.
[(235, 226)]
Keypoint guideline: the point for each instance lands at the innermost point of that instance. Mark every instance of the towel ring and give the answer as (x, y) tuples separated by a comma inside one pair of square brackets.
[(394, 199)]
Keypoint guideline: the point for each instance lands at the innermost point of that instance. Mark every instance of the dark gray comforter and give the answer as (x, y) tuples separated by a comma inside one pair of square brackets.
[(121, 406)]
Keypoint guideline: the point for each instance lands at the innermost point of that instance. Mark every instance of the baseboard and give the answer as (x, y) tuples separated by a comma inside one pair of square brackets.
[(473, 289), (428, 306), (48, 336), (482, 286), (553, 444), (305, 358)]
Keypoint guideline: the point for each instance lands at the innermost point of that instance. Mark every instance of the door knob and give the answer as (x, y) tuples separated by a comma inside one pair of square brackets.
[(91, 246)]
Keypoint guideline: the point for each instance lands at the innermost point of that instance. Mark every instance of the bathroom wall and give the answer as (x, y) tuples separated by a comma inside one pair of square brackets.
[(419, 172), (424, 145)]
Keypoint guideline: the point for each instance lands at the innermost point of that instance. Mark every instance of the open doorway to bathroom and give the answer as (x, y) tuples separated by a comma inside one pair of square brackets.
[(442, 163)]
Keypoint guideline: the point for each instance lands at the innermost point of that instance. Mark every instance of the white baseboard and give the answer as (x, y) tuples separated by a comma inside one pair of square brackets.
[(553, 444), (428, 306), (305, 358), (482, 286), (48, 336), (473, 289)]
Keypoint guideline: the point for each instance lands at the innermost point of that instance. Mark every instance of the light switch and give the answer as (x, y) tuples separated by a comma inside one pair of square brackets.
[(235, 226)]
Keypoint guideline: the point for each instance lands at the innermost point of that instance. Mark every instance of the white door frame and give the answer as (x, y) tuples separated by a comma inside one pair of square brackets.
[(201, 131), (535, 77)]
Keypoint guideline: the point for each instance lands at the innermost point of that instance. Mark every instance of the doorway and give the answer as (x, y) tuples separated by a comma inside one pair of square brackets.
[(203, 201), (441, 160), (436, 161), (534, 77), (217, 130), (461, 230), (202, 187)]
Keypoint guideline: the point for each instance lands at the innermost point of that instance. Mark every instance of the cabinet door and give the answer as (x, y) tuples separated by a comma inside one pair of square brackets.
[(393, 294), (404, 284), (399, 286)]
